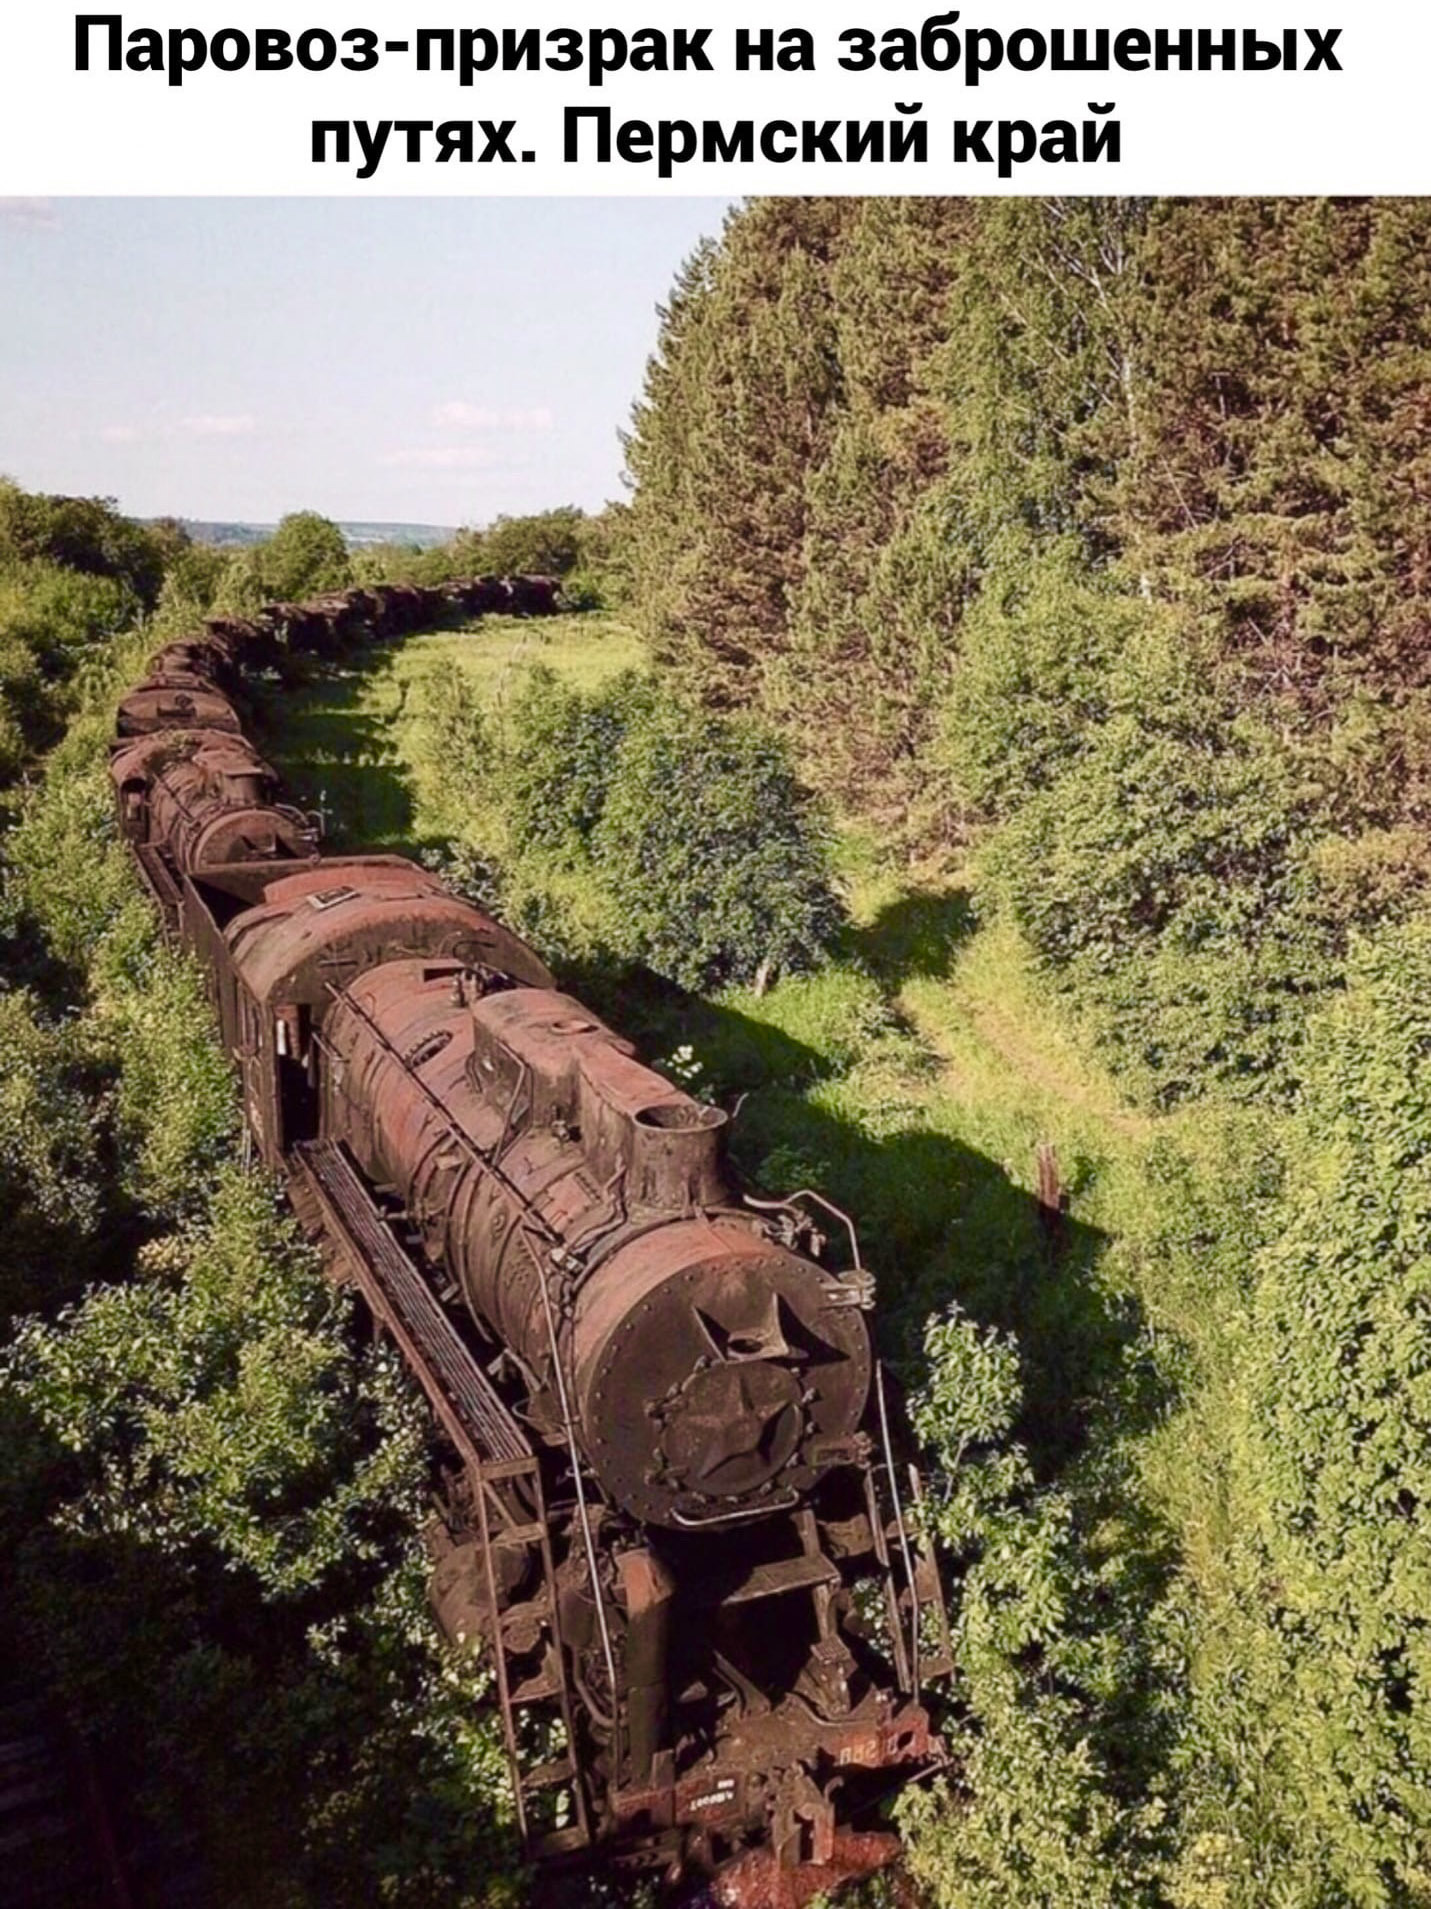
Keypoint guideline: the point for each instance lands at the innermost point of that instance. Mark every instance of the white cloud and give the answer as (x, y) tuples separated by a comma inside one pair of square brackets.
[(120, 433), (444, 457), (35, 215), (459, 415), (209, 425)]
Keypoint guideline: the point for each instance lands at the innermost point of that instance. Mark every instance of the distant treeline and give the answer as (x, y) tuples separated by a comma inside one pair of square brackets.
[(355, 535)]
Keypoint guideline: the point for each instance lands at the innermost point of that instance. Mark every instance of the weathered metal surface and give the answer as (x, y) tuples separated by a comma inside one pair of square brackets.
[(757, 1880), (701, 1477), (331, 922), (710, 1370), (159, 705), (207, 798)]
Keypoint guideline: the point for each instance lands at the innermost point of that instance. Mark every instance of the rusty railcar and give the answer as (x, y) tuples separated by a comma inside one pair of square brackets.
[(719, 1484), (206, 798), (675, 1516), (175, 699)]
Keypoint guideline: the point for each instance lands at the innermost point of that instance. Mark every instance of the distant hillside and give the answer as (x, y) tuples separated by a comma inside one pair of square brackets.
[(425, 536)]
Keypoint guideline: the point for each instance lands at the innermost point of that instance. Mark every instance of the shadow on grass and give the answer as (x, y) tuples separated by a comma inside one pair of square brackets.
[(916, 936), (336, 758), (939, 1222)]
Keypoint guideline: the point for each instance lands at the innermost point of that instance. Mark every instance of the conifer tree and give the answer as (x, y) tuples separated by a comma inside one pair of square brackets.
[(881, 579), (733, 415)]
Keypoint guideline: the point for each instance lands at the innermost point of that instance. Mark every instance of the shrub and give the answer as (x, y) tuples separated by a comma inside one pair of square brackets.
[(457, 745), (83, 534), (239, 588), (1335, 1473), (561, 751), (60, 615), (546, 544), (1038, 1811), (50, 1172), (306, 555), (1031, 684), (714, 854), (52, 621), (191, 581), (223, 1389), (173, 1099), (1166, 876), (640, 827)]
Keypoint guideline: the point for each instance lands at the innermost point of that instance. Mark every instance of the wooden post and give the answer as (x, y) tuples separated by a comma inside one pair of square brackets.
[(1052, 1199)]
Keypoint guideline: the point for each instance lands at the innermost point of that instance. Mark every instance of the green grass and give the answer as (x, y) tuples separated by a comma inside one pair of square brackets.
[(345, 744)]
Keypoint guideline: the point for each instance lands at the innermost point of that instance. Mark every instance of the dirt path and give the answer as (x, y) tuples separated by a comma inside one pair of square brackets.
[(1000, 1031)]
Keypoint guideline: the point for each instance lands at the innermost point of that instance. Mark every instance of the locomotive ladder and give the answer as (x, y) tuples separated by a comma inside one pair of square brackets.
[(914, 1597), (495, 1453)]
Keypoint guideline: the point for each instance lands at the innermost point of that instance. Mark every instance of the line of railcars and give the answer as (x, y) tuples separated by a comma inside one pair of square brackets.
[(674, 1515)]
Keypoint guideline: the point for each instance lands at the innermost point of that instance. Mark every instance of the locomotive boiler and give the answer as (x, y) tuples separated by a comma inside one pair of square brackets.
[(713, 1373), (675, 1515), (207, 796)]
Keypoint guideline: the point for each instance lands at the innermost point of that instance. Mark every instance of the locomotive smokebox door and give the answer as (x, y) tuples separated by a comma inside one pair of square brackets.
[(711, 1366)]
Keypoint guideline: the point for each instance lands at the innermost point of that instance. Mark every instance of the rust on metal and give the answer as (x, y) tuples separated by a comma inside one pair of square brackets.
[(679, 1517)]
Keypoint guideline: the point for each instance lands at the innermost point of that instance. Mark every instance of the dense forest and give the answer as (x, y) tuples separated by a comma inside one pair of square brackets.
[(1030, 738), (1093, 535)]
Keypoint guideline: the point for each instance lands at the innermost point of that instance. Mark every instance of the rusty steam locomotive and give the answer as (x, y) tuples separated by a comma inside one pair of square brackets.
[(676, 1520)]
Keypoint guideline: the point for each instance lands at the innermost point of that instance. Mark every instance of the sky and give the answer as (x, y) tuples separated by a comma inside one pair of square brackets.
[(385, 360)]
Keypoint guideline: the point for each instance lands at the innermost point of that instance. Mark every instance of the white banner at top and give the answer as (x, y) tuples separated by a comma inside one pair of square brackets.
[(546, 97)]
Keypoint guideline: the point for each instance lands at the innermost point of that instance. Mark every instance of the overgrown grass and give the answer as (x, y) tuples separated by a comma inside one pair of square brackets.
[(348, 745)]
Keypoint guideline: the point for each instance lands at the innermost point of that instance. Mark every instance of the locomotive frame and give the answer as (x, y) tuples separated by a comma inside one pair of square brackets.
[(708, 1613)]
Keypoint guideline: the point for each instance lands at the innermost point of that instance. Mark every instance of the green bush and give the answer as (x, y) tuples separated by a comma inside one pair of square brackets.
[(51, 1175), (1167, 876), (222, 1387), (1043, 1805), (149, 1017), (60, 615), (52, 622), (191, 582), (546, 544), (1031, 685), (458, 746), (305, 555), (1335, 1469), (715, 856), (239, 588), (561, 749), (638, 827), (85, 534)]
